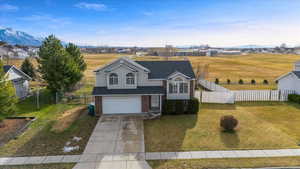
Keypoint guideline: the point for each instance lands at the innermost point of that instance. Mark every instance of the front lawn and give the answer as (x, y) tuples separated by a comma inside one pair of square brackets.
[(226, 163), (262, 125), (42, 137)]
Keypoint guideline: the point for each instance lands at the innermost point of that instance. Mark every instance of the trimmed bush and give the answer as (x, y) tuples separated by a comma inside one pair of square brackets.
[(228, 81), (276, 81), (217, 81), (253, 81), (265, 82), (294, 98), (241, 81), (176, 107), (228, 123), (179, 107), (193, 106)]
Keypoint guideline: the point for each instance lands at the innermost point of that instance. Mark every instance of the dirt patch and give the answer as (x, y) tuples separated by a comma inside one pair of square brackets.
[(67, 118), (11, 129)]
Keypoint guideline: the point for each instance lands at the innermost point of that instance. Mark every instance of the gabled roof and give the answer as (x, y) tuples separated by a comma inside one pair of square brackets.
[(163, 69), (297, 73), (122, 59), (6, 68)]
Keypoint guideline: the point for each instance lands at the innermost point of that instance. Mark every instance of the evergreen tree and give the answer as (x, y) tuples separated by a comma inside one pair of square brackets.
[(74, 51), (57, 67), (27, 67), (8, 97)]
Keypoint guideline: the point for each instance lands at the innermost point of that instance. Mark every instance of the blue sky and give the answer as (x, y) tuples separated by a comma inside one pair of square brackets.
[(157, 22)]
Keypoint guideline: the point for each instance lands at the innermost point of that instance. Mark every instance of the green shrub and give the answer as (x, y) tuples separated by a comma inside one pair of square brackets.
[(193, 106), (228, 123), (176, 107), (217, 81), (179, 106), (253, 81), (265, 82), (294, 98), (241, 81), (228, 81)]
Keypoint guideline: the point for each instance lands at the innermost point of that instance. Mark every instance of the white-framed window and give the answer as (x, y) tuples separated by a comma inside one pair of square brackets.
[(178, 86), (113, 79), (130, 79)]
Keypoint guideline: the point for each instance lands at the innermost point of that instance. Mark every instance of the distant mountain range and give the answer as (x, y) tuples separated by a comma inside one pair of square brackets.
[(13, 37)]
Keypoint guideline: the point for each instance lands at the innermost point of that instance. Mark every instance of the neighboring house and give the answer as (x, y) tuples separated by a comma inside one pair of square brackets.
[(19, 79), (127, 86), (291, 80)]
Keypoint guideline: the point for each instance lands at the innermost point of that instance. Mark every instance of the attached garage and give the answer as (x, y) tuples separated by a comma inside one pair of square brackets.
[(121, 105)]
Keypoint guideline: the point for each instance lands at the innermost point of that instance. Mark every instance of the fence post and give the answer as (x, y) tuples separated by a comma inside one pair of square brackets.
[(279, 95)]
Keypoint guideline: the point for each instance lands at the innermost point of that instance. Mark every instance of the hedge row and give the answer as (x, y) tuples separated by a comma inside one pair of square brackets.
[(294, 98), (176, 107)]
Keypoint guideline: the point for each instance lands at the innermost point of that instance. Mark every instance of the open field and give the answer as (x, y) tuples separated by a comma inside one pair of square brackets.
[(226, 163), (262, 125), (247, 67), (42, 137)]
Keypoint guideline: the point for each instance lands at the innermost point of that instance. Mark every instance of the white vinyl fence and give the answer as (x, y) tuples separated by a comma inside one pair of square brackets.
[(212, 86), (244, 95)]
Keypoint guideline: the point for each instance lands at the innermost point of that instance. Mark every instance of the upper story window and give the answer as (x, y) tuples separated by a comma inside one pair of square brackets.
[(130, 79), (113, 79), (178, 86)]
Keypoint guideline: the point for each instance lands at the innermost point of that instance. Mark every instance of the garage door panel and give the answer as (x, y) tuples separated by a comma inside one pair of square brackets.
[(121, 105)]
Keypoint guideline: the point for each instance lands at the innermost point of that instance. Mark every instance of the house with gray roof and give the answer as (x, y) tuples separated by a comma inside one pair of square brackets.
[(291, 80), (19, 79), (126, 86)]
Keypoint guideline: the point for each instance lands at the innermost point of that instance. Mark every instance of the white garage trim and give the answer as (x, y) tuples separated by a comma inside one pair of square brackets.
[(122, 105)]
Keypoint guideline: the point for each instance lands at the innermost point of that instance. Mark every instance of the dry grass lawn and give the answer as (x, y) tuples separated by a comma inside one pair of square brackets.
[(270, 125), (226, 163), (246, 67), (67, 118)]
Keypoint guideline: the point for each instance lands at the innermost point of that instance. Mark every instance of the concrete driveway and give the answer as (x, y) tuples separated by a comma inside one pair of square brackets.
[(117, 142), (117, 134)]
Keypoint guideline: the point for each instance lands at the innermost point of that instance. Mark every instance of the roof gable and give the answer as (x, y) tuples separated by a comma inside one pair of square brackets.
[(14, 73), (123, 60), (163, 69)]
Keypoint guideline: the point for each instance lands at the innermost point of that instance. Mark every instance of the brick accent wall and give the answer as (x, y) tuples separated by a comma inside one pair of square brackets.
[(98, 106), (145, 103), (192, 88)]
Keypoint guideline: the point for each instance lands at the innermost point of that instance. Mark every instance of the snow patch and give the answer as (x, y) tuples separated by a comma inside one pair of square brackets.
[(68, 149)]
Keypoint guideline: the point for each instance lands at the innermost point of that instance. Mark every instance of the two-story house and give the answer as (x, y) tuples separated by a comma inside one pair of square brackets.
[(126, 86)]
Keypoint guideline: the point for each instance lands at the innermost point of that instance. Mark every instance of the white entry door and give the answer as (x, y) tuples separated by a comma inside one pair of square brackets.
[(122, 105)]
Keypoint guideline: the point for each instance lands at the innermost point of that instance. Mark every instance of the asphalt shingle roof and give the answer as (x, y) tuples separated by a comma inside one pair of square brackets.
[(297, 73), (162, 69), (138, 90), (6, 68)]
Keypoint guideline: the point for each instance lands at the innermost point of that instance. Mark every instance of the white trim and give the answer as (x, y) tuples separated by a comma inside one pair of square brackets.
[(20, 71), (123, 59), (279, 78), (129, 94), (177, 74)]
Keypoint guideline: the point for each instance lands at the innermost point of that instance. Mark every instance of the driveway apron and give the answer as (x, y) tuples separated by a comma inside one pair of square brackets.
[(117, 142)]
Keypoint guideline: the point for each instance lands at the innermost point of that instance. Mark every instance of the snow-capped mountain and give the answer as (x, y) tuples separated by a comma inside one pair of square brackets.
[(13, 37)]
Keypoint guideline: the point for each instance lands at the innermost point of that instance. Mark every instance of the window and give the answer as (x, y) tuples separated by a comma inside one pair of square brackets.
[(183, 88), (173, 88), (178, 86), (113, 79), (130, 78)]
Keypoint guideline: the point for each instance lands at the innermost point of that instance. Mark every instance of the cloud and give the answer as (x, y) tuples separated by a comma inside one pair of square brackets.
[(92, 6), (46, 18), (7, 7)]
